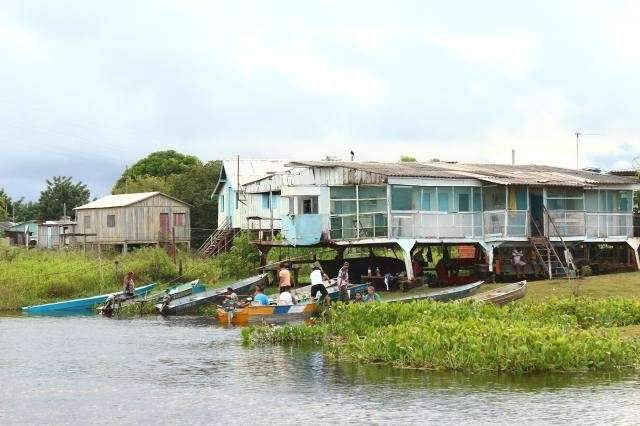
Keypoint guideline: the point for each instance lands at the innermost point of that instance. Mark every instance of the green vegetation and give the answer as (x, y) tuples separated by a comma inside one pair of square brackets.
[(569, 334), (29, 277)]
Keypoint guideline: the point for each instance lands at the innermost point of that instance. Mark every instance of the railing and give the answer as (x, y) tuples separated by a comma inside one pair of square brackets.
[(567, 223), (604, 225), (505, 223), (436, 225)]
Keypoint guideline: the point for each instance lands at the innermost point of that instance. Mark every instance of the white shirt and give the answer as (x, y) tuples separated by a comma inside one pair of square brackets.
[(316, 277), (285, 298)]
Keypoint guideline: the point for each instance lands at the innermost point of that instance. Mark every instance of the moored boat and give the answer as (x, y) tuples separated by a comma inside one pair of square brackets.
[(447, 295), (82, 304), (266, 314), (501, 295), (191, 302)]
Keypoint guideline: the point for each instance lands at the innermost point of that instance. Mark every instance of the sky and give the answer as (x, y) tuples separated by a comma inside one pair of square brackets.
[(89, 87)]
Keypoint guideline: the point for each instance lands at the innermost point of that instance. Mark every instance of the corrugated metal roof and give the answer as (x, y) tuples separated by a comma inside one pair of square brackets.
[(250, 170), (531, 174), (122, 200)]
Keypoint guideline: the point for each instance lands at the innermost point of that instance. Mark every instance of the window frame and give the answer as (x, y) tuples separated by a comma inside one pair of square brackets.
[(111, 221)]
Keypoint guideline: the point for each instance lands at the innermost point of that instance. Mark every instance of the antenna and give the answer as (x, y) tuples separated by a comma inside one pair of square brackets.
[(578, 134)]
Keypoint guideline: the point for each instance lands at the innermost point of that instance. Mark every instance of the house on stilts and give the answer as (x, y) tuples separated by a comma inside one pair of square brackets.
[(463, 216)]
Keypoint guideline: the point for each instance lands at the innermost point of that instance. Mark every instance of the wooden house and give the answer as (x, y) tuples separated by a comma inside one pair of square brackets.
[(555, 215), (56, 234), (134, 219)]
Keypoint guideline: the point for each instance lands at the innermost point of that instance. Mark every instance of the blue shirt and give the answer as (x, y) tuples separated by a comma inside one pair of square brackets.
[(261, 298)]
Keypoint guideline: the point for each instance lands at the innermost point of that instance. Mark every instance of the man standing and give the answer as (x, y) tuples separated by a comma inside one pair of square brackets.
[(284, 278), (518, 263), (317, 283), (343, 282)]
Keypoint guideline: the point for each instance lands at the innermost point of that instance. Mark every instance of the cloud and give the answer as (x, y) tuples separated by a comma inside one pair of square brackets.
[(310, 71)]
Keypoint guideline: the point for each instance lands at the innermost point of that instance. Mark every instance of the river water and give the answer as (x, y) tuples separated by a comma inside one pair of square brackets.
[(94, 370)]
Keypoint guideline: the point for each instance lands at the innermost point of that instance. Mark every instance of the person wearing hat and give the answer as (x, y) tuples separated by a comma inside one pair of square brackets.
[(317, 283)]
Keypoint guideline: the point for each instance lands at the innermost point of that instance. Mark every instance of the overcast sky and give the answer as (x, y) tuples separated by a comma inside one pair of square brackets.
[(87, 87)]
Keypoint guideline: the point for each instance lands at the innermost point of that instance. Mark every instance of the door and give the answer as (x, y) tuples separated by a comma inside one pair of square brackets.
[(164, 226), (537, 211)]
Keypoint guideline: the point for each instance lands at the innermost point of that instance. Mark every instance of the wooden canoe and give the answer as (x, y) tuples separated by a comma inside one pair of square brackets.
[(266, 314), (447, 295), (188, 304), (501, 295), (78, 305)]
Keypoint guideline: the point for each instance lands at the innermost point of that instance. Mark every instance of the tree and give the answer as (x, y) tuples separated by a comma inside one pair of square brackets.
[(61, 191), (143, 184), (159, 164), (407, 159), (5, 205)]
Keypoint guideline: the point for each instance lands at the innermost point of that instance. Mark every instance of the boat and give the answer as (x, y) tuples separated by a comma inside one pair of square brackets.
[(189, 303), (83, 304), (266, 314), (352, 289), (447, 295), (501, 295), (117, 301)]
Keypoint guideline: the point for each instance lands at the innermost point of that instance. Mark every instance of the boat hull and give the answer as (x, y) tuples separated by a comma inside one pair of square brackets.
[(83, 304), (501, 295), (447, 295), (189, 304), (267, 314)]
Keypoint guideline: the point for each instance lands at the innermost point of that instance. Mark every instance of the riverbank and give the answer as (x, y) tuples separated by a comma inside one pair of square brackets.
[(557, 335)]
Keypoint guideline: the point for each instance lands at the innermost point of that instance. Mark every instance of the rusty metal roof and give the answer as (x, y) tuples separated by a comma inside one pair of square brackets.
[(531, 174)]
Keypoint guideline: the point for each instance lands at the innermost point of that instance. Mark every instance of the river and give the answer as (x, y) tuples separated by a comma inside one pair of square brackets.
[(94, 370)]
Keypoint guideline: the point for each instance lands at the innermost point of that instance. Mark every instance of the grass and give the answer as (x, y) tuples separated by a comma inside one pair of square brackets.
[(29, 277), (559, 334)]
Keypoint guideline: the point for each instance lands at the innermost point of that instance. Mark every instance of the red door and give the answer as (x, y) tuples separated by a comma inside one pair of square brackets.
[(164, 226)]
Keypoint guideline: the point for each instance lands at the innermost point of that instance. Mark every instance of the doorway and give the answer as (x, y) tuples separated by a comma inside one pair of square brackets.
[(164, 226), (536, 201)]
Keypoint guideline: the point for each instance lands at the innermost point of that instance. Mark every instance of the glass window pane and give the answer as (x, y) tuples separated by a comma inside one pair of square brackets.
[(463, 203), (591, 201), (342, 192), (370, 206), (401, 197), (343, 207), (625, 203), (444, 198), (477, 197), (425, 203), (494, 198), (372, 192), (521, 198)]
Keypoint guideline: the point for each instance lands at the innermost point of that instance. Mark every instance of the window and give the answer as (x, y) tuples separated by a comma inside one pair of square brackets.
[(179, 219), (444, 198), (265, 201), (347, 201), (609, 201), (565, 199), (401, 198), (87, 222), (111, 221), (494, 198), (462, 198), (310, 205), (221, 203)]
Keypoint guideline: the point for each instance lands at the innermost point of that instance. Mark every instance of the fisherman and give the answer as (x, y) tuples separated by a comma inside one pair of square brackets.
[(231, 295), (231, 301), (286, 298), (260, 298), (317, 283), (343, 282), (284, 278), (372, 296), (359, 298), (128, 285)]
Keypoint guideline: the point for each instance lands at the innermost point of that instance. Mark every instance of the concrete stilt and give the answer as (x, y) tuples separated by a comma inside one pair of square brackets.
[(406, 246), (634, 243)]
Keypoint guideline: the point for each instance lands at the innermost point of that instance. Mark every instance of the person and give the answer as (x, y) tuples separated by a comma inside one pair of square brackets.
[(230, 301), (260, 298), (286, 298), (359, 298), (127, 284), (372, 296), (317, 283), (518, 263), (231, 295), (343, 282), (284, 278)]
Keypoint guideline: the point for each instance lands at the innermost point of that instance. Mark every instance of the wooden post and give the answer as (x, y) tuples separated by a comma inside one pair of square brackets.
[(173, 243)]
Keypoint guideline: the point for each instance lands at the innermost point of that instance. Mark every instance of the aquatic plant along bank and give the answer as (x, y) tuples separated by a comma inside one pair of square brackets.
[(573, 334)]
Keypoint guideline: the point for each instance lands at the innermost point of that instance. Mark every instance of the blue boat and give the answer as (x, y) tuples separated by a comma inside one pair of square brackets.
[(447, 295), (78, 305)]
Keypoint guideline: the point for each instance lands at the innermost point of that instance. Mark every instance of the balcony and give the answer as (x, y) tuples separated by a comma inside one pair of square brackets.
[(609, 225), (436, 225), (304, 229)]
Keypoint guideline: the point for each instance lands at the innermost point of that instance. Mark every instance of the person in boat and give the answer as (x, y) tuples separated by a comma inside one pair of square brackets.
[(231, 295), (359, 298), (128, 284), (260, 298), (372, 296), (284, 278), (518, 262), (286, 298), (317, 283), (343, 282)]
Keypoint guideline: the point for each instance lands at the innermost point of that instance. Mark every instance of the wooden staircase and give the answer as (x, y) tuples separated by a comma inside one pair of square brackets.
[(555, 267), (219, 241)]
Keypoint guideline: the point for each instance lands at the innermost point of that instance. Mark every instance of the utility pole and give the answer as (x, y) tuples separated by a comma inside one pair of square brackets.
[(578, 135)]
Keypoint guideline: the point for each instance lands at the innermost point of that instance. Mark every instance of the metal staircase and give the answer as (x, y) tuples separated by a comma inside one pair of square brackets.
[(547, 254), (219, 241)]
